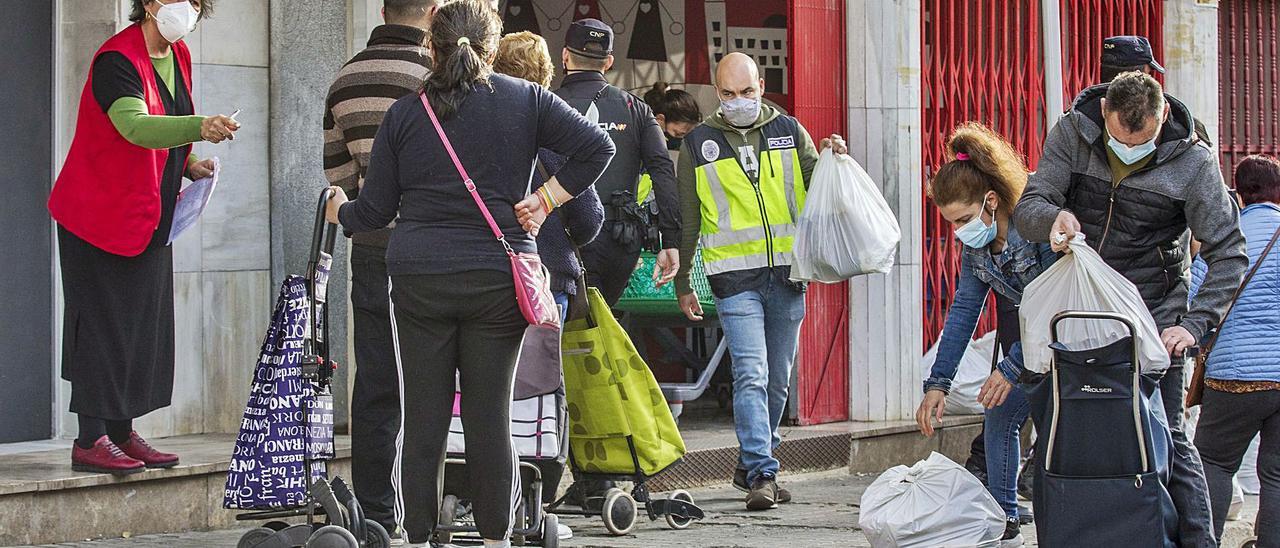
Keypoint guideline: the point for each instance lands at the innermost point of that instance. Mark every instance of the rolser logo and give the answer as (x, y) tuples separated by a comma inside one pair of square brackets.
[(1095, 390)]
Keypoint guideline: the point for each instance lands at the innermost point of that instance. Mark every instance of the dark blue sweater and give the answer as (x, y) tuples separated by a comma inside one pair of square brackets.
[(497, 133), (576, 223)]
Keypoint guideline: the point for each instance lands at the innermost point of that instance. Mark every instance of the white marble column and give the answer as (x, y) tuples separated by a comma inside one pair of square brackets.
[(1191, 57), (885, 332)]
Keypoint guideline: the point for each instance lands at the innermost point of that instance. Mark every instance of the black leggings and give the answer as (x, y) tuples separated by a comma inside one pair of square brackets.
[(1228, 423), (93, 428), (468, 324)]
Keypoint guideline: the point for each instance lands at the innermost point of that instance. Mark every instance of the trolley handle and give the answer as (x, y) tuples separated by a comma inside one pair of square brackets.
[(324, 235)]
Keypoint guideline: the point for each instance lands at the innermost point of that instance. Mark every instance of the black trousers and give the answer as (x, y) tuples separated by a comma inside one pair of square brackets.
[(609, 265), (1187, 483), (466, 324), (1228, 423), (375, 400)]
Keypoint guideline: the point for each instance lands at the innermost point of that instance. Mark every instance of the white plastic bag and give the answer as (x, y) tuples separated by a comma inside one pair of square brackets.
[(1082, 282), (975, 367), (846, 229), (934, 503), (1248, 475)]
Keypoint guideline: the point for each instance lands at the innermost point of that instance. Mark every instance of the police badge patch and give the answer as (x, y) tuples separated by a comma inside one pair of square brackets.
[(710, 150)]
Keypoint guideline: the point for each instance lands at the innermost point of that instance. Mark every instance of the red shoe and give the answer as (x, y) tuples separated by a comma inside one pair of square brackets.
[(138, 448), (104, 458)]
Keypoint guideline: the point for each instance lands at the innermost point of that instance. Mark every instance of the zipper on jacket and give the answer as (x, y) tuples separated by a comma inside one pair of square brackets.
[(1111, 206), (764, 214)]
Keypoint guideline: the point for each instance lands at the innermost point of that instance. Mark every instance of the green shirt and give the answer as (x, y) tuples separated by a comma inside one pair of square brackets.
[(130, 116), (1121, 170)]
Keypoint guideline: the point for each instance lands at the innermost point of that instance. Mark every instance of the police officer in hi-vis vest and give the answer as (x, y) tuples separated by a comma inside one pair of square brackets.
[(742, 178), (641, 146)]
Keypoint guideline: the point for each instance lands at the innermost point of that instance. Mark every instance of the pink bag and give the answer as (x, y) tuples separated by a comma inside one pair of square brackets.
[(533, 284)]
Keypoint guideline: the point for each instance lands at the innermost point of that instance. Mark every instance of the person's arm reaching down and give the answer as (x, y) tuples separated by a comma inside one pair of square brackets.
[(1213, 219), (340, 168), (379, 200), (1042, 210)]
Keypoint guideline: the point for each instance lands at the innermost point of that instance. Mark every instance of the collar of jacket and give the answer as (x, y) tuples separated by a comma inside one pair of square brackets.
[(579, 77), (1014, 244), (397, 35)]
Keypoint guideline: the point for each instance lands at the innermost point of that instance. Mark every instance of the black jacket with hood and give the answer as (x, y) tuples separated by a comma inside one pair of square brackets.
[(1140, 226)]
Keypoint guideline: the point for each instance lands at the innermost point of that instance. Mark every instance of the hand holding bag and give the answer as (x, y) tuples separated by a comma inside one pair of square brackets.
[(1195, 392), (533, 284)]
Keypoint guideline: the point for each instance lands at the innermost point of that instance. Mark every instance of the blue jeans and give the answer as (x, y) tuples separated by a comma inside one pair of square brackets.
[(562, 299), (1002, 427), (763, 330)]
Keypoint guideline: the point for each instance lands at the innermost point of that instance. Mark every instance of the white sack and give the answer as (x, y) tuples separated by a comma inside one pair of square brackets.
[(1082, 282), (846, 229), (934, 503), (972, 373)]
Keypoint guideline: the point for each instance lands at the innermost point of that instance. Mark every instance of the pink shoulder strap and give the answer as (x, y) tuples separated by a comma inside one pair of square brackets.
[(466, 179)]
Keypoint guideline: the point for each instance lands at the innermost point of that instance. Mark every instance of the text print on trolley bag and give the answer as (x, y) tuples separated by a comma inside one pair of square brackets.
[(846, 229), (1082, 282)]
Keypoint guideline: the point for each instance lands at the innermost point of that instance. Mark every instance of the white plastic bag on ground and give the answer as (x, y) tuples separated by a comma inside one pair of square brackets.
[(1082, 282), (1248, 474), (934, 503), (972, 373), (846, 229)]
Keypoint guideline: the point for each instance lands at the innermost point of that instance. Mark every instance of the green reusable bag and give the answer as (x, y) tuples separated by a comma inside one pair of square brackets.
[(612, 395)]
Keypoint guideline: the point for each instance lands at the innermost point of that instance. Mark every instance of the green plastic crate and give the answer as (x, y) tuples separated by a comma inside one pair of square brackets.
[(641, 297)]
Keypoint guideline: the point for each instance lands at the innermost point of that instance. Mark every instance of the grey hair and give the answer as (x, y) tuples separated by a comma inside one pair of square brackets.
[(1136, 98)]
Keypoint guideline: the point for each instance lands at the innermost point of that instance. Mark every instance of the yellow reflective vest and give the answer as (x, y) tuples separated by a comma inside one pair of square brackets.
[(748, 222)]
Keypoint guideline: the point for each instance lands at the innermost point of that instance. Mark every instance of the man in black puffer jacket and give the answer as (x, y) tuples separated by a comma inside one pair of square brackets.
[(1125, 168)]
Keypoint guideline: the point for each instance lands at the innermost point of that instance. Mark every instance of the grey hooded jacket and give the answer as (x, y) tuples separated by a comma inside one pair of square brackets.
[(1140, 227)]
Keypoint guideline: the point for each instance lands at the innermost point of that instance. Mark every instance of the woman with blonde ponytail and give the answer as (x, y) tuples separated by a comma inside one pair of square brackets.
[(454, 311), (976, 191)]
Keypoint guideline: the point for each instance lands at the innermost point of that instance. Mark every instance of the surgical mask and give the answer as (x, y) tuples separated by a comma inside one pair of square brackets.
[(1132, 155), (175, 21), (976, 233), (741, 111)]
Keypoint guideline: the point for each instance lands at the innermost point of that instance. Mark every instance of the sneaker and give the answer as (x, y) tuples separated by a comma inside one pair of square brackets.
[(138, 448), (1025, 515), (563, 531), (763, 494), (740, 483), (1012, 534), (104, 458)]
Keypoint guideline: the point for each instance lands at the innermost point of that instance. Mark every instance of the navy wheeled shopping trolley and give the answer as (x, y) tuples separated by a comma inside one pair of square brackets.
[(1105, 448)]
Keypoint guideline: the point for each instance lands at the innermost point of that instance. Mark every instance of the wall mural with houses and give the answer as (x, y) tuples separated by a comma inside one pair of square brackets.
[(676, 41)]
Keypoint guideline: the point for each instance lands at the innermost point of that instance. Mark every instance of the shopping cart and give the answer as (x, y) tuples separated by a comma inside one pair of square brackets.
[(1105, 447), (334, 518)]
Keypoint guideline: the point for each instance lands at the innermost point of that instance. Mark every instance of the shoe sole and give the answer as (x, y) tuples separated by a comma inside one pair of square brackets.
[(162, 466), (114, 472), (1015, 542), (761, 503)]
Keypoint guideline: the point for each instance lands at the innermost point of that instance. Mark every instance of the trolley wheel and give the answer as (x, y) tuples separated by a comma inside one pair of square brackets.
[(619, 512), (674, 521), (375, 535), (254, 537), (276, 525), (550, 531), (332, 536), (448, 515)]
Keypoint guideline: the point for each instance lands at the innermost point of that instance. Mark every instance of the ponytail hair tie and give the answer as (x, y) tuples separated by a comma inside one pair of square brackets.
[(960, 156), (464, 41)]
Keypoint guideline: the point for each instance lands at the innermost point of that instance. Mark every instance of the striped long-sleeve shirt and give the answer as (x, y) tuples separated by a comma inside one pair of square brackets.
[(392, 66)]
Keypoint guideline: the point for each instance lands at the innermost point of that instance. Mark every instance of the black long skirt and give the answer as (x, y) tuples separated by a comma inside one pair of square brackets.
[(118, 334)]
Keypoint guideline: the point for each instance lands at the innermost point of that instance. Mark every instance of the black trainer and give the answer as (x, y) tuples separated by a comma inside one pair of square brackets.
[(740, 483), (1012, 534), (763, 494)]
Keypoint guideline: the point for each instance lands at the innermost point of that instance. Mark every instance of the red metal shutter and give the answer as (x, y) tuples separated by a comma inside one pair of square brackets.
[(1249, 88), (817, 65), (982, 62), (1085, 23)]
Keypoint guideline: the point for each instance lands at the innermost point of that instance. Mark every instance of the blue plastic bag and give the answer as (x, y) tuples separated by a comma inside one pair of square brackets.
[(267, 466)]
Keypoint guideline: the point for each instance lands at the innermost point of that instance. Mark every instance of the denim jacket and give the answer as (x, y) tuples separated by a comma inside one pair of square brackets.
[(1007, 273)]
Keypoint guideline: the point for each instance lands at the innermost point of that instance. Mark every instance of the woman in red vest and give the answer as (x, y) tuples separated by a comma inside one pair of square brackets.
[(114, 202)]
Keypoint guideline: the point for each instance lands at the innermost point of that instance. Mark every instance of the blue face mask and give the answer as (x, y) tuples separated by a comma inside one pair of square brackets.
[(976, 233), (1132, 155)]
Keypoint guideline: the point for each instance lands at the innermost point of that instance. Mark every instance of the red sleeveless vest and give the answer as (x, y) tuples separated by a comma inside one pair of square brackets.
[(108, 192)]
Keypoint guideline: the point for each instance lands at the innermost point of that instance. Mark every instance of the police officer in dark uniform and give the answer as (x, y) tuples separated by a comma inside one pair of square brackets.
[(642, 146)]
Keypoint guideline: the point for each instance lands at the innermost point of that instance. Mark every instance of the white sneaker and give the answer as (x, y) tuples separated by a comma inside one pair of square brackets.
[(563, 531)]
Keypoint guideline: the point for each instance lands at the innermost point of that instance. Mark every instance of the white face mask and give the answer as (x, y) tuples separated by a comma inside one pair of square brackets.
[(175, 21)]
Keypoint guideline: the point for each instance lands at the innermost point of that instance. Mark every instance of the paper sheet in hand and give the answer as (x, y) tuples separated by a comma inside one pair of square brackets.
[(192, 201)]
